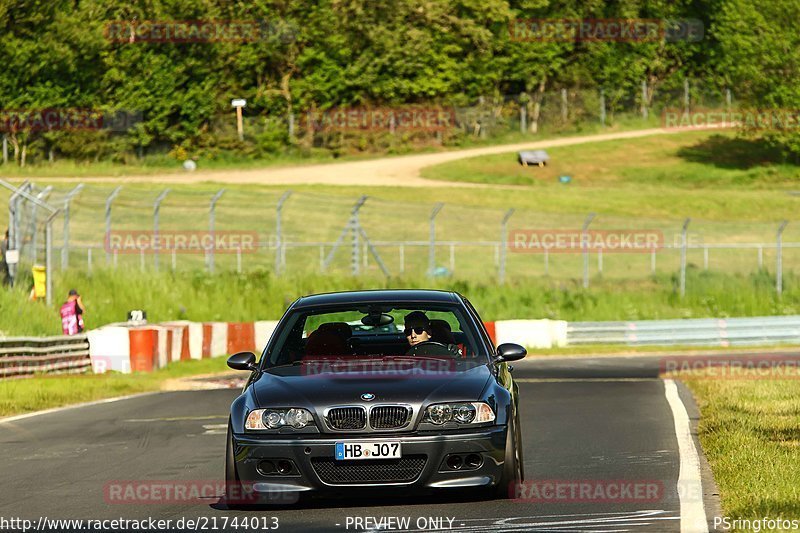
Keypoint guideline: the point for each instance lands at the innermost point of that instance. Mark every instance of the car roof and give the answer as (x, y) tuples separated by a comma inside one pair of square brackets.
[(378, 296)]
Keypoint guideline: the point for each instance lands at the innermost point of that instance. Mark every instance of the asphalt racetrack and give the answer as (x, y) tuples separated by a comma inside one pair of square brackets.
[(605, 424)]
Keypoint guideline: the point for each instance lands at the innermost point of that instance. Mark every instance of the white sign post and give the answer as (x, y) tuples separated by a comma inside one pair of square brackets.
[(239, 103)]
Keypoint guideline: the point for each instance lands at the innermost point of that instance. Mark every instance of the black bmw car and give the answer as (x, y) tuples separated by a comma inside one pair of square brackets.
[(369, 390)]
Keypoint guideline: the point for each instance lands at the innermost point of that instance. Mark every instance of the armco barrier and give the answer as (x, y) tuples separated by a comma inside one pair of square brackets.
[(687, 332), (125, 348), (26, 356)]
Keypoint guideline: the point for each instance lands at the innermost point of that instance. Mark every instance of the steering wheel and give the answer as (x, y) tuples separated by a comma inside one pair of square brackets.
[(429, 348)]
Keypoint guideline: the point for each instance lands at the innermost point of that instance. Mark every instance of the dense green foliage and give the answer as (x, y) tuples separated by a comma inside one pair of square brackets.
[(309, 56)]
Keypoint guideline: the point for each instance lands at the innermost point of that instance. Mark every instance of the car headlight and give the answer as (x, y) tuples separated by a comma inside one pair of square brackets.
[(462, 412), (277, 418)]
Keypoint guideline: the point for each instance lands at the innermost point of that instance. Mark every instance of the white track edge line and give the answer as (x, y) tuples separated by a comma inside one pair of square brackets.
[(76, 406), (690, 486)]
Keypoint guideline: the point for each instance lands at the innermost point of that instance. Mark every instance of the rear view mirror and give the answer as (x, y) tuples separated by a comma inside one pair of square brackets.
[(242, 361), (510, 352)]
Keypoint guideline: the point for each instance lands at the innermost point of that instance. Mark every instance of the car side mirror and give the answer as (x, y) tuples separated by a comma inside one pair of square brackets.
[(510, 352), (242, 361)]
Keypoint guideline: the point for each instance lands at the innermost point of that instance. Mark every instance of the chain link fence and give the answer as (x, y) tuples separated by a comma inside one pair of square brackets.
[(488, 117), (100, 226)]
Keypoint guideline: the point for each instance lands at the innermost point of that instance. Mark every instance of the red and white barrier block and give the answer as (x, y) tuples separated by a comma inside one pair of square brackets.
[(529, 333), (146, 348)]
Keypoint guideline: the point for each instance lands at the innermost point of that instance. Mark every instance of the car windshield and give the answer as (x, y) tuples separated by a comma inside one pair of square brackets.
[(353, 332)]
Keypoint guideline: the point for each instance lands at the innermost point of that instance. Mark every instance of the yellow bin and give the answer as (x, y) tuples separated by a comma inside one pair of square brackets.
[(39, 281)]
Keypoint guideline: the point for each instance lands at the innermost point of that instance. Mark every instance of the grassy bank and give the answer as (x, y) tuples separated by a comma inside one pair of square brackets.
[(709, 175), (110, 294), (44, 392), (750, 433), (159, 163)]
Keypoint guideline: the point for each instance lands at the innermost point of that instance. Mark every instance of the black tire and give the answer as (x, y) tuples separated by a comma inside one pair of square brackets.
[(512, 466), (234, 490), (520, 451)]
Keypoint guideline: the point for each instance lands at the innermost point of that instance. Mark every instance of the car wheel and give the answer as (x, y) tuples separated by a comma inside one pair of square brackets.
[(234, 491), (512, 467)]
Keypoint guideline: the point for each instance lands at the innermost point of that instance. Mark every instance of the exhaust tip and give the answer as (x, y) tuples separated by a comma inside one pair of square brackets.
[(473, 460), (454, 462), (284, 467), (266, 468)]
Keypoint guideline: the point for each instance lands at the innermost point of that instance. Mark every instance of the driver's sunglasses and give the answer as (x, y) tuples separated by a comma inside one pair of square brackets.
[(418, 331)]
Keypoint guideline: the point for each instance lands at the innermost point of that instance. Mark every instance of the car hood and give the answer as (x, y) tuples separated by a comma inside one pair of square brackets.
[(322, 383)]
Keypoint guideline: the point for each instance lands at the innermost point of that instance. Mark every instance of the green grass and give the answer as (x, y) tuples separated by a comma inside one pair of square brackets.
[(259, 295), (750, 433), (44, 392), (713, 176)]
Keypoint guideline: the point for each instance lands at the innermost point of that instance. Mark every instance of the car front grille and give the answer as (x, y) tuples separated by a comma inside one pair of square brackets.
[(336, 472), (347, 418), (389, 417)]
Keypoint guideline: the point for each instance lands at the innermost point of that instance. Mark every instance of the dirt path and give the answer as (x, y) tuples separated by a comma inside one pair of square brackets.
[(389, 171)]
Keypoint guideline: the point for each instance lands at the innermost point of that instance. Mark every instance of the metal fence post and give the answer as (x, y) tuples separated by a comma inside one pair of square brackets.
[(110, 199), (355, 266), (564, 106), (211, 220), (279, 231), (48, 257), (585, 248), (779, 259), (432, 238), (156, 209), (65, 248), (684, 245), (13, 222), (48, 231), (501, 275), (653, 260), (34, 226)]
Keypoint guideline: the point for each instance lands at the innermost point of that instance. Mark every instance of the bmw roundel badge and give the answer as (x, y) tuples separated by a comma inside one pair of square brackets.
[(367, 396)]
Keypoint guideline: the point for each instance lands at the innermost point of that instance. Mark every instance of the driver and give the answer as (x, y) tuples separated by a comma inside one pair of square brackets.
[(417, 328), (419, 334)]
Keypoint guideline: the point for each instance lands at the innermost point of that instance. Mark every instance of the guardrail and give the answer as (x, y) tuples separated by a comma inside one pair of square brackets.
[(26, 356), (699, 332)]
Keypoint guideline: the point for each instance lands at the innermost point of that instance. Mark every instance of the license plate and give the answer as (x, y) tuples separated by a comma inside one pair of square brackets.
[(367, 450)]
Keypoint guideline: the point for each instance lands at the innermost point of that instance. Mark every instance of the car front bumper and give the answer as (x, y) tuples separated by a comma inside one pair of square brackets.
[(313, 462)]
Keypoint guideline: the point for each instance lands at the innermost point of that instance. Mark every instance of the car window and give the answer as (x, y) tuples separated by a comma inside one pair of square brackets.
[(354, 332)]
